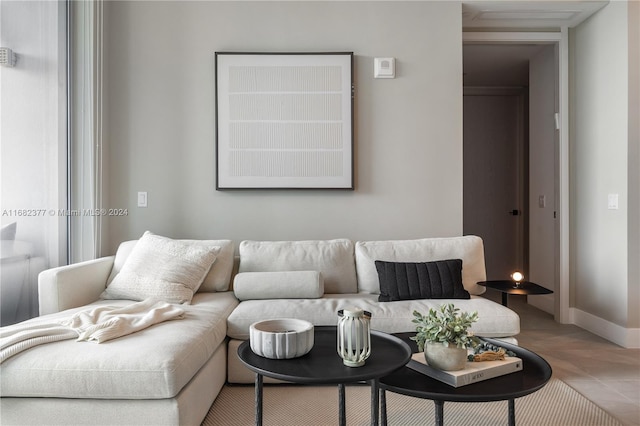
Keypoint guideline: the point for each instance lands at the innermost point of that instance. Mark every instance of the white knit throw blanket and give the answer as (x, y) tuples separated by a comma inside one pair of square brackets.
[(95, 325)]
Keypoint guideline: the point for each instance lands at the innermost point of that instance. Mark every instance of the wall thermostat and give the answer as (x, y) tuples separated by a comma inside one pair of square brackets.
[(384, 67)]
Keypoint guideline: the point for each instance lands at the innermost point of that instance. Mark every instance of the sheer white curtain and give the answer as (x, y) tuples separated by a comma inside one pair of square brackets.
[(85, 142), (33, 151)]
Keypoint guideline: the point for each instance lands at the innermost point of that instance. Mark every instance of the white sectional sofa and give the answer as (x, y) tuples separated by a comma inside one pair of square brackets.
[(171, 372)]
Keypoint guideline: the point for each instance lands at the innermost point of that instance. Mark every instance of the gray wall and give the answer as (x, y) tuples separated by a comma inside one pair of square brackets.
[(159, 137), (605, 242), (634, 164)]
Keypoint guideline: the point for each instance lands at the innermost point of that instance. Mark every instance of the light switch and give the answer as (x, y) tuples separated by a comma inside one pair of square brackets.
[(612, 202), (542, 201), (142, 199)]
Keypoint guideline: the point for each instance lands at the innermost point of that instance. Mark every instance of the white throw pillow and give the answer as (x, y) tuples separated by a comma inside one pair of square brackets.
[(278, 285), (169, 270), (219, 276)]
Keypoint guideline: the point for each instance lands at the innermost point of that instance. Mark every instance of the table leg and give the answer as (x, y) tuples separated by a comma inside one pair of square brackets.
[(375, 402), (439, 413), (383, 407), (505, 299), (342, 415), (512, 412), (259, 379)]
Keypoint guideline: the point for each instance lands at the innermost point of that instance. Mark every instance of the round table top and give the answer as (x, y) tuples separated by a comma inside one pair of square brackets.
[(508, 286), (535, 373), (323, 365)]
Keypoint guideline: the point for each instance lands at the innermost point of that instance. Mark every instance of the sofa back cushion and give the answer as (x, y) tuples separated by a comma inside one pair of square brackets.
[(333, 258), (218, 278), (468, 248)]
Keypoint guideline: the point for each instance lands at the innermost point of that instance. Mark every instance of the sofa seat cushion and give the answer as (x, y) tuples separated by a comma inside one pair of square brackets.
[(468, 248), (333, 258), (494, 320), (154, 363)]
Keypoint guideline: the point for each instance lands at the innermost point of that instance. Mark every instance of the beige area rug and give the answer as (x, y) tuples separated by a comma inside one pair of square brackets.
[(289, 405)]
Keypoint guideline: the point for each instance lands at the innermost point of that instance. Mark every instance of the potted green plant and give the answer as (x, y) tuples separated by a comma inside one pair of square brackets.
[(444, 336)]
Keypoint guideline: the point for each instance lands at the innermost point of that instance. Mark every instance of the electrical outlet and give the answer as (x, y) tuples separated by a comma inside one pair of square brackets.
[(612, 202)]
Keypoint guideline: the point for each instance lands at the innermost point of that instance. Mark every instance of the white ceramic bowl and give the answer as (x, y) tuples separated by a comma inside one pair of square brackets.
[(281, 338)]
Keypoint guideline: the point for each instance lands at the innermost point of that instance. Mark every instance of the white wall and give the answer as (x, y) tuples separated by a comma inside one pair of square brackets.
[(634, 164), (601, 285), (160, 119)]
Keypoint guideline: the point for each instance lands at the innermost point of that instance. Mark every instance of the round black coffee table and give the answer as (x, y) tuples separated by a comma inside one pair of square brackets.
[(323, 365), (535, 373)]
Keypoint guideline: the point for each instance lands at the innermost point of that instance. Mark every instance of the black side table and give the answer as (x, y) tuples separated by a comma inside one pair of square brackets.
[(508, 287)]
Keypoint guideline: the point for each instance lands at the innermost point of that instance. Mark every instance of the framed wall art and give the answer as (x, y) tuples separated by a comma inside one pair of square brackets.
[(284, 120)]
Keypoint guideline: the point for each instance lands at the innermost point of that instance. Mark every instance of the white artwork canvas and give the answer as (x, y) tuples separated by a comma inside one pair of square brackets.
[(284, 120)]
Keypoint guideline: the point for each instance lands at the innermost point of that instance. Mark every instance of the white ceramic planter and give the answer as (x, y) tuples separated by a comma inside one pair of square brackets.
[(445, 356), (354, 336), (281, 338)]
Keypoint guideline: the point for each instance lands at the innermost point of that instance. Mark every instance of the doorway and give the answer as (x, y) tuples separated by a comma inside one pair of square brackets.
[(494, 178), (511, 159)]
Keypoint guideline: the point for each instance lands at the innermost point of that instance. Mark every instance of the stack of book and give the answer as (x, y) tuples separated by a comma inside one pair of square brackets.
[(472, 373)]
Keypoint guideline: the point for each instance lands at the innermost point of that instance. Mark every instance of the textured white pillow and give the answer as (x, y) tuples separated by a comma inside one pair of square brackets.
[(169, 270), (219, 276), (278, 285)]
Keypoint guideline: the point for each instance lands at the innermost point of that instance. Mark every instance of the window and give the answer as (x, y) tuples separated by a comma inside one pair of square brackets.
[(33, 152)]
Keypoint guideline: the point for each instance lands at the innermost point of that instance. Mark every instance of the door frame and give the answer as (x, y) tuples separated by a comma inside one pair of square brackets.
[(561, 39)]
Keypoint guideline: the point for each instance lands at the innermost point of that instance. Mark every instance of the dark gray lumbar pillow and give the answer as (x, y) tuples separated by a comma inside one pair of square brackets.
[(441, 279)]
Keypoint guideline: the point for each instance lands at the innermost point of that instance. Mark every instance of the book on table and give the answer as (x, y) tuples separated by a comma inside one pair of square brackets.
[(472, 373)]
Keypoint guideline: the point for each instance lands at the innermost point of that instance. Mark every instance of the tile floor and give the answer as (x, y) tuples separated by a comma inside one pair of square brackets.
[(605, 373)]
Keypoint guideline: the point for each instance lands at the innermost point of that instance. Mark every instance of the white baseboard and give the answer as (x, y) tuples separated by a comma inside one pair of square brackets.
[(625, 337)]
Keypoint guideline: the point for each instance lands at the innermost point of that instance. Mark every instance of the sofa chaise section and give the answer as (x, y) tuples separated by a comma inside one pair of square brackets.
[(154, 363), (169, 373)]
